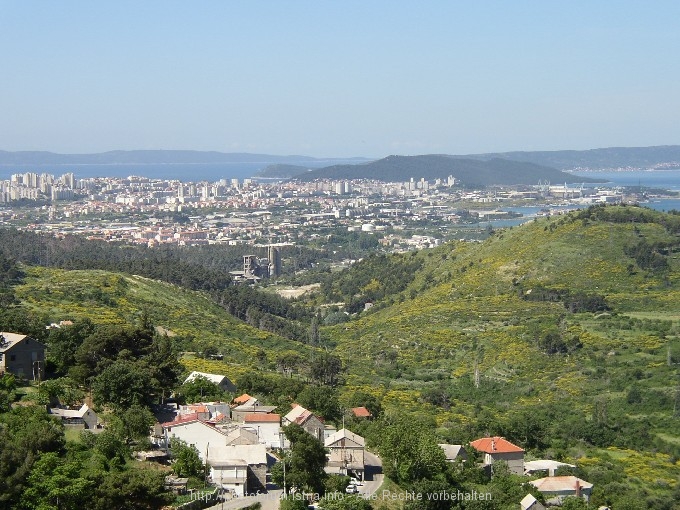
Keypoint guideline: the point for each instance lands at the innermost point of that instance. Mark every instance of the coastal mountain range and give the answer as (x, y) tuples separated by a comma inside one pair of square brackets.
[(471, 170)]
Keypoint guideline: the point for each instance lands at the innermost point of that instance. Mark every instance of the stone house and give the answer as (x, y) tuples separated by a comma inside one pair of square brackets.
[(311, 423), (499, 448), (346, 454), (22, 356)]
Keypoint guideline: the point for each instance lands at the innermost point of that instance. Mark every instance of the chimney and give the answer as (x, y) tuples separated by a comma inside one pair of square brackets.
[(578, 488), (493, 444)]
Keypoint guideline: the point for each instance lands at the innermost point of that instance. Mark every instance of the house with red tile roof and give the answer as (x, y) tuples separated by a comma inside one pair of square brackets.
[(361, 412), (498, 448), (242, 399)]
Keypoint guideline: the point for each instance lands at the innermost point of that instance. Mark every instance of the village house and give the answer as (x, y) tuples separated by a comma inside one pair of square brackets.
[(328, 430), (499, 448), (311, 423), (529, 502), (241, 399), (556, 488), (84, 417), (361, 412), (267, 427), (220, 380), (241, 469), (454, 452), (22, 356), (207, 411), (241, 435), (533, 467), (192, 431), (251, 406), (346, 454)]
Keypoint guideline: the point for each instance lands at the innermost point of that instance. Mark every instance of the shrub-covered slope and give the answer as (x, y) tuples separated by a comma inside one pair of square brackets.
[(565, 315), (190, 317)]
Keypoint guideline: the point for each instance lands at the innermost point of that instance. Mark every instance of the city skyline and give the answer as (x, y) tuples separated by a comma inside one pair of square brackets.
[(337, 80)]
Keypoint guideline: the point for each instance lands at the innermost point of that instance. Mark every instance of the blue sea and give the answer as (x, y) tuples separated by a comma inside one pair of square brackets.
[(662, 179), (665, 179)]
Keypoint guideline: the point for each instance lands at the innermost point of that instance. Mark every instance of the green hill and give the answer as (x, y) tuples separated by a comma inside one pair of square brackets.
[(194, 320), (470, 172), (558, 317)]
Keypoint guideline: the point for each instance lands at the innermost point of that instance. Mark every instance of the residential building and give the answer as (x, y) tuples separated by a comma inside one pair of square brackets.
[(346, 453), (194, 432), (529, 502), (556, 488), (549, 466), (361, 412), (241, 469), (241, 435), (267, 426), (22, 356), (307, 420), (454, 452), (499, 448), (251, 406), (220, 380), (83, 418)]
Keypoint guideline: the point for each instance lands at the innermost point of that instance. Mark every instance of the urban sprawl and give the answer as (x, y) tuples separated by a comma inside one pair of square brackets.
[(139, 210)]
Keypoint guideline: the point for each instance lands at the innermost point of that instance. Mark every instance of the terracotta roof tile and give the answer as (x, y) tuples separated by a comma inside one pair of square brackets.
[(242, 399), (261, 417), (361, 412), (495, 445), (186, 418)]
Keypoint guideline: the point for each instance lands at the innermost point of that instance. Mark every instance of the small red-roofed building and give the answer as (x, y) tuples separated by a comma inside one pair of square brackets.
[(242, 399), (361, 412), (498, 448)]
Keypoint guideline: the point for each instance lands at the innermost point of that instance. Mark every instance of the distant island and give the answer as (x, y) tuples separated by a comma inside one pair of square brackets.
[(470, 172), (594, 159)]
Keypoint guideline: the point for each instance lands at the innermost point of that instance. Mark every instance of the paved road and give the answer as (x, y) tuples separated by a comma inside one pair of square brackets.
[(374, 475)]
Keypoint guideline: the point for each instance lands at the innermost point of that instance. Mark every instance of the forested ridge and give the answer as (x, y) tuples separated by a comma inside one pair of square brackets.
[(196, 268)]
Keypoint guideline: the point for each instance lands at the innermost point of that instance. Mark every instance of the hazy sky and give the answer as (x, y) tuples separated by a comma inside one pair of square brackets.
[(344, 78)]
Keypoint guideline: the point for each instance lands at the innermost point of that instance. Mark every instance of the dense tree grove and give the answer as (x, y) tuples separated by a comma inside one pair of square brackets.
[(370, 280)]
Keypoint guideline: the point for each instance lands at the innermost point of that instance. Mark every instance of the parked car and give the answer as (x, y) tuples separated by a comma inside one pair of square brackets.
[(354, 481), (352, 489)]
